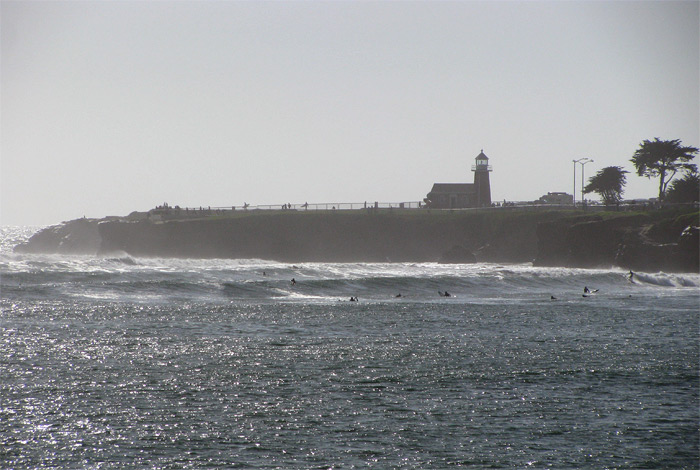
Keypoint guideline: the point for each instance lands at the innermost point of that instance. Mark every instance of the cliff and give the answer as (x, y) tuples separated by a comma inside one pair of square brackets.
[(661, 240), (664, 240), (79, 236), (356, 236)]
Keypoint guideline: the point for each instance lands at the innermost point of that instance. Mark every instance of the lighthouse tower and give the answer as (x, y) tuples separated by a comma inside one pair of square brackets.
[(482, 185)]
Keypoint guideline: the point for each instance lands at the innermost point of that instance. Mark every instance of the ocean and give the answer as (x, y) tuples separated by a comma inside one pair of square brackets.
[(123, 362)]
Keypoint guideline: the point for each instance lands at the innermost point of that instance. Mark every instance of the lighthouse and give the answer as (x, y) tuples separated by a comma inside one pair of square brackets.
[(482, 185), (464, 195)]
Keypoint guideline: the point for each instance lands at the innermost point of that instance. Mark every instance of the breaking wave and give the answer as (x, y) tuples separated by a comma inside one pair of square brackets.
[(124, 277)]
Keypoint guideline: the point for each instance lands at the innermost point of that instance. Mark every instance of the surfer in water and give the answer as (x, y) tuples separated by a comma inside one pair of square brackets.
[(444, 294), (294, 282), (630, 276), (587, 291)]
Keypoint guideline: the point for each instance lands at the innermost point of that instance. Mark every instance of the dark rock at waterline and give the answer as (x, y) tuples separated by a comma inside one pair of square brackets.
[(689, 249), (78, 236), (639, 252), (656, 241)]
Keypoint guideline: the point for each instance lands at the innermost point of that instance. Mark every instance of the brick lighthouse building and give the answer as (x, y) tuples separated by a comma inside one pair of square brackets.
[(464, 195), (482, 185)]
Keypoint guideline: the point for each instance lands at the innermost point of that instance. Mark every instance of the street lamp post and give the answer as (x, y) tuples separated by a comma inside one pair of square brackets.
[(573, 193), (582, 162)]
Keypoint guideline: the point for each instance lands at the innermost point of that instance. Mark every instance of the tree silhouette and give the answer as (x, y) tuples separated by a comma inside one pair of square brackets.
[(686, 189), (608, 183), (663, 159)]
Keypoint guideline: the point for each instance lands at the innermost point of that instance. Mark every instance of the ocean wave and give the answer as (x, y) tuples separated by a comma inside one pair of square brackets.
[(122, 259), (667, 280), (130, 278)]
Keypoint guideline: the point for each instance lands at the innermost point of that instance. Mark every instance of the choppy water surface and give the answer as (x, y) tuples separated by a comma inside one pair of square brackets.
[(120, 362)]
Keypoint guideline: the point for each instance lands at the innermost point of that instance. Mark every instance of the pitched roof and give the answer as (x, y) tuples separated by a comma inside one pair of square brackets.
[(452, 188)]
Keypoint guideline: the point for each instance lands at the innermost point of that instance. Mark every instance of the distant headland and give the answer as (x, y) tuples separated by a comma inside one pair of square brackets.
[(454, 223), (649, 240)]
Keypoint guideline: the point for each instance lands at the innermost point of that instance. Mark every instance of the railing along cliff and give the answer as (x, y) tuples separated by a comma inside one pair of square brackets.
[(166, 212)]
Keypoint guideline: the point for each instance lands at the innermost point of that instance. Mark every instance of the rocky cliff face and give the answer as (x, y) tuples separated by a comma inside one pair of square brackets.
[(348, 237), (664, 240), (661, 241), (78, 236)]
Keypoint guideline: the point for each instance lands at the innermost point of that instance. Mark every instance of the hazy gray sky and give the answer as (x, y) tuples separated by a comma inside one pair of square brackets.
[(113, 106)]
